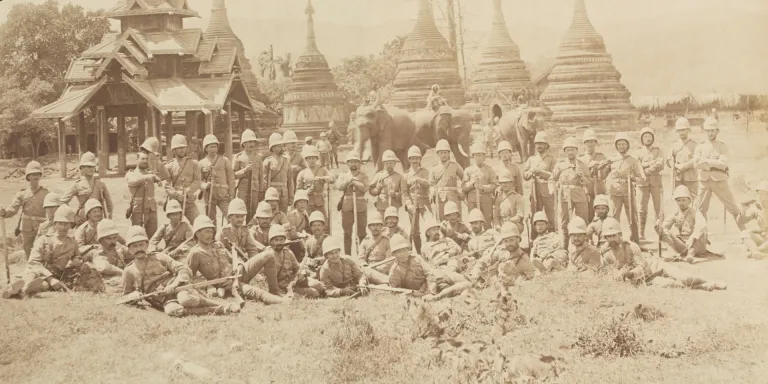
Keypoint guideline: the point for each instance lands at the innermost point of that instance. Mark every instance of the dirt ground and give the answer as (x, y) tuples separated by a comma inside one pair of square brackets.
[(699, 337)]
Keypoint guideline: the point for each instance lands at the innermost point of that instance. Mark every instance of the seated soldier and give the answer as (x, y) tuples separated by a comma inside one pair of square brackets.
[(375, 249), (299, 224), (412, 272), (272, 198), (547, 250), (236, 234), (314, 258), (438, 250), (629, 263), (482, 238), (289, 277), (691, 239), (755, 239), (595, 228), (51, 202), (581, 254), (510, 263), (340, 275), (452, 227), (211, 259), (391, 220), (108, 257), (176, 234), (508, 205), (86, 234), (153, 272), (262, 220)]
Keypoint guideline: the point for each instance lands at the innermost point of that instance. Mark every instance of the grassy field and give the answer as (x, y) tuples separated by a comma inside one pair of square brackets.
[(584, 321)]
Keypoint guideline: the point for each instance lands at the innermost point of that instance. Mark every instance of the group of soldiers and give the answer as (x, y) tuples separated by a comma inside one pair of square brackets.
[(276, 221)]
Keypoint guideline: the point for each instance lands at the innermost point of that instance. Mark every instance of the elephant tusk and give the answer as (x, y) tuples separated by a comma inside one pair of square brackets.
[(461, 150)]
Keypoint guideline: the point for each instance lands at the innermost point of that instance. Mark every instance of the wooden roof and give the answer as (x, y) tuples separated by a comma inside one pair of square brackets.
[(71, 102), (177, 94), (127, 8)]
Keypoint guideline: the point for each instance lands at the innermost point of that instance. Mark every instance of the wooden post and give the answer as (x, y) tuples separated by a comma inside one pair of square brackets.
[(241, 120), (150, 121), (62, 150), (209, 123), (158, 126), (168, 134), (121, 137), (228, 146), (191, 124), (81, 135), (103, 140), (142, 135)]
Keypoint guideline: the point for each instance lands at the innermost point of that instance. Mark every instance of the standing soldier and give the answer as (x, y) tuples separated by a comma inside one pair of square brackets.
[(291, 144), (324, 149), (652, 161), (711, 160), (569, 181), (353, 181), (50, 204), (247, 169), (185, 177), (592, 158), (333, 137), (444, 178), (509, 205), (141, 184), (279, 174), (313, 179), (479, 184), (417, 203), (30, 200), (88, 186), (151, 146), (681, 158), (218, 179), (175, 233), (388, 186), (622, 166), (505, 154), (538, 169)]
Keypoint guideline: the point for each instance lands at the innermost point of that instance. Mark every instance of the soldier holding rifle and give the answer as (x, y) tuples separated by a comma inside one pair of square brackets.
[(247, 166)]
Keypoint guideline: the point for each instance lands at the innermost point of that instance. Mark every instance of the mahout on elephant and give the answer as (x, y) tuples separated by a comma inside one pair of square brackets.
[(519, 127)]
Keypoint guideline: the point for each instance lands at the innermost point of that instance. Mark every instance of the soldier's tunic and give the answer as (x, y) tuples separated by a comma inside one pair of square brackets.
[(585, 256), (550, 250), (261, 235), (509, 207), (250, 183), (86, 234), (212, 261), (184, 174), (444, 178), (480, 242), (287, 267), (374, 250), (343, 183), (442, 253), (389, 232), (509, 265), (314, 258), (539, 169), (298, 223), (343, 274), (172, 237), (390, 189), (597, 177), (32, 214), (218, 172), (88, 188), (626, 256), (410, 275), (460, 233), (514, 171), (715, 179), (316, 188), (242, 238), (297, 165), (595, 229), (108, 262), (325, 148), (46, 227), (334, 137), (156, 166), (572, 188), (690, 223), (622, 167), (652, 162), (142, 188), (418, 200), (278, 173), (485, 184), (681, 153), (50, 257)]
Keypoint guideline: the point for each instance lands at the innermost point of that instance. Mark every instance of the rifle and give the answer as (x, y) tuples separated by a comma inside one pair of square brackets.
[(355, 239), (236, 284), (632, 210), (391, 289), (328, 207), (179, 246), (188, 287), (5, 248), (661, 217)]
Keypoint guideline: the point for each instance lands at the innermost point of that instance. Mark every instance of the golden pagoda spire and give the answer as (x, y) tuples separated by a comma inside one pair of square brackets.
[(311, 46)]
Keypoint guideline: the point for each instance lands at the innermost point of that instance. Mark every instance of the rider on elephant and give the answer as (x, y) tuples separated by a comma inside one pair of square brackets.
[(592, 158), (444, 178), (435, 100), (505, 154), (538, 168), (417, 203), (388, 186), (479, 184)]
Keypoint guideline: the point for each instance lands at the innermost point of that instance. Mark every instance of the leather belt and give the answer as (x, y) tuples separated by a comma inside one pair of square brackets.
[(35, 218)]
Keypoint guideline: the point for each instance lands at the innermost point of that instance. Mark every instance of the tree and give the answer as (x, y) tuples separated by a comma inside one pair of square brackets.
[(358, 75), (16, 104), (270, 64), (275, 90)]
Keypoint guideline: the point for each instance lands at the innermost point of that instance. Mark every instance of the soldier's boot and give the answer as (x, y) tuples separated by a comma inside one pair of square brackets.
[(641, 226), (14, 289), (347, 243), (271, 274)]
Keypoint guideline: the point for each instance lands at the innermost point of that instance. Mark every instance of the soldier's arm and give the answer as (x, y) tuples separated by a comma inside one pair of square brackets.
[(364, 181), (237, 168), (466, 185), (162, 172), (136, 179), (363, 253), (519, 209), (395, 279), (373, 189), (358, 275), (535, 247), (697, 157), (252, 247), (488, 258), (36, 258), (326, 278), (637, 269), (107, 197), (459, 171), (527, 175), (518, 180), (80, 235), (192, 264), (405, 193), (546, 171), (182, 273), (69, 194), (341, 183), (721, 162), (230, 175), (15, 205), (154, 242), (638, 171), (491, 186), (129, 284), (553, 177)]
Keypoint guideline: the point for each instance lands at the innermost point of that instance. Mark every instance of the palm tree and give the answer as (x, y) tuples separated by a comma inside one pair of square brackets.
[(267, 64)]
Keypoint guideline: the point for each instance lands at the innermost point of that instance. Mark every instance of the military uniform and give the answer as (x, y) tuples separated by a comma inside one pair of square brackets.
[(622, 166), (374, 250), (32, 214), (460, 233), (485, 184), (308, 180), (539, 169), (595, 228), (46, 227), (509, 207), (569, 180), (681, 153), (346, 273), (597, 178), (444, 178), (509, 265), (108, 262), (50, 257), (240, 237), (279, 175), (649, 188), (417, 201), (482, 241), (410, 275), (690, 223), (549, 249), (515, 173), (389, 232), (713, 179), (298, 223), (173, 238), (334, 137), (314, 258), (347, 215), (218, 172), (86, 234), (390, 189), (325, 148), (261, 235), (184, 174), (144, 207), (585, 256), (88, 188), (442, 253)]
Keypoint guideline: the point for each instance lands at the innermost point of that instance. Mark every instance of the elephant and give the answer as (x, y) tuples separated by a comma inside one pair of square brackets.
[(453, 125), (519, 127), (387, 127)]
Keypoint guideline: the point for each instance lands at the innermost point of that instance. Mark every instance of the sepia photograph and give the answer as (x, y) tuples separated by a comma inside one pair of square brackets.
[(383, 191)]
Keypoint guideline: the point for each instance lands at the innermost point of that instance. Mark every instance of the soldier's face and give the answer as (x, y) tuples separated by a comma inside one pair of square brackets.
[(444, 155), (601, 211), (333, 256), (277, 243), (212, 149), (479, 158), (452, 218), (109, 242), (578, 239), (590, 144), (301, 205), (622, 146), (712, 133), (571, 152), (249, 145), (180, 152), (62, 227), (541, 147), (274, 205), (389, 165), (392, 221), (88, 171), (317, 227), (433, 234), (541, 226), (96, 214), (142, 160), (477, 226), (512, 243), (613, 240), (237, 221), (264, 222), (205, 235), (505, 155), (683, 203), (506, 186), (401, 255), (174, 217), (647, 139), (683, 133), (311, 161), (353, 165), (415, 161), (278, 149), (375, 229), (138, 249)]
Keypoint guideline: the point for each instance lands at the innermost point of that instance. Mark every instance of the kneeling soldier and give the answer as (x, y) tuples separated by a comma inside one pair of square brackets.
[(453, 227), (340, 275), (375, 248), (547, 251), (175, 233)]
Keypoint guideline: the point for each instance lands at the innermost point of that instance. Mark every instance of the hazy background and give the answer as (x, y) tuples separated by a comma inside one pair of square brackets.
[(660, 46)]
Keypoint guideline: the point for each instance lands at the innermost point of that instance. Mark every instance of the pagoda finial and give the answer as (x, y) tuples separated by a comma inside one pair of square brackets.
[(311, 41), (218, 4), (219, 24), (580, 17)]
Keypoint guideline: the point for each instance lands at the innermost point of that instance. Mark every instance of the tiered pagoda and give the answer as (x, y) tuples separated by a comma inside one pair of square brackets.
[(501, 74), (152, 69), (425, 59), (584, 87), (313, 99)]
